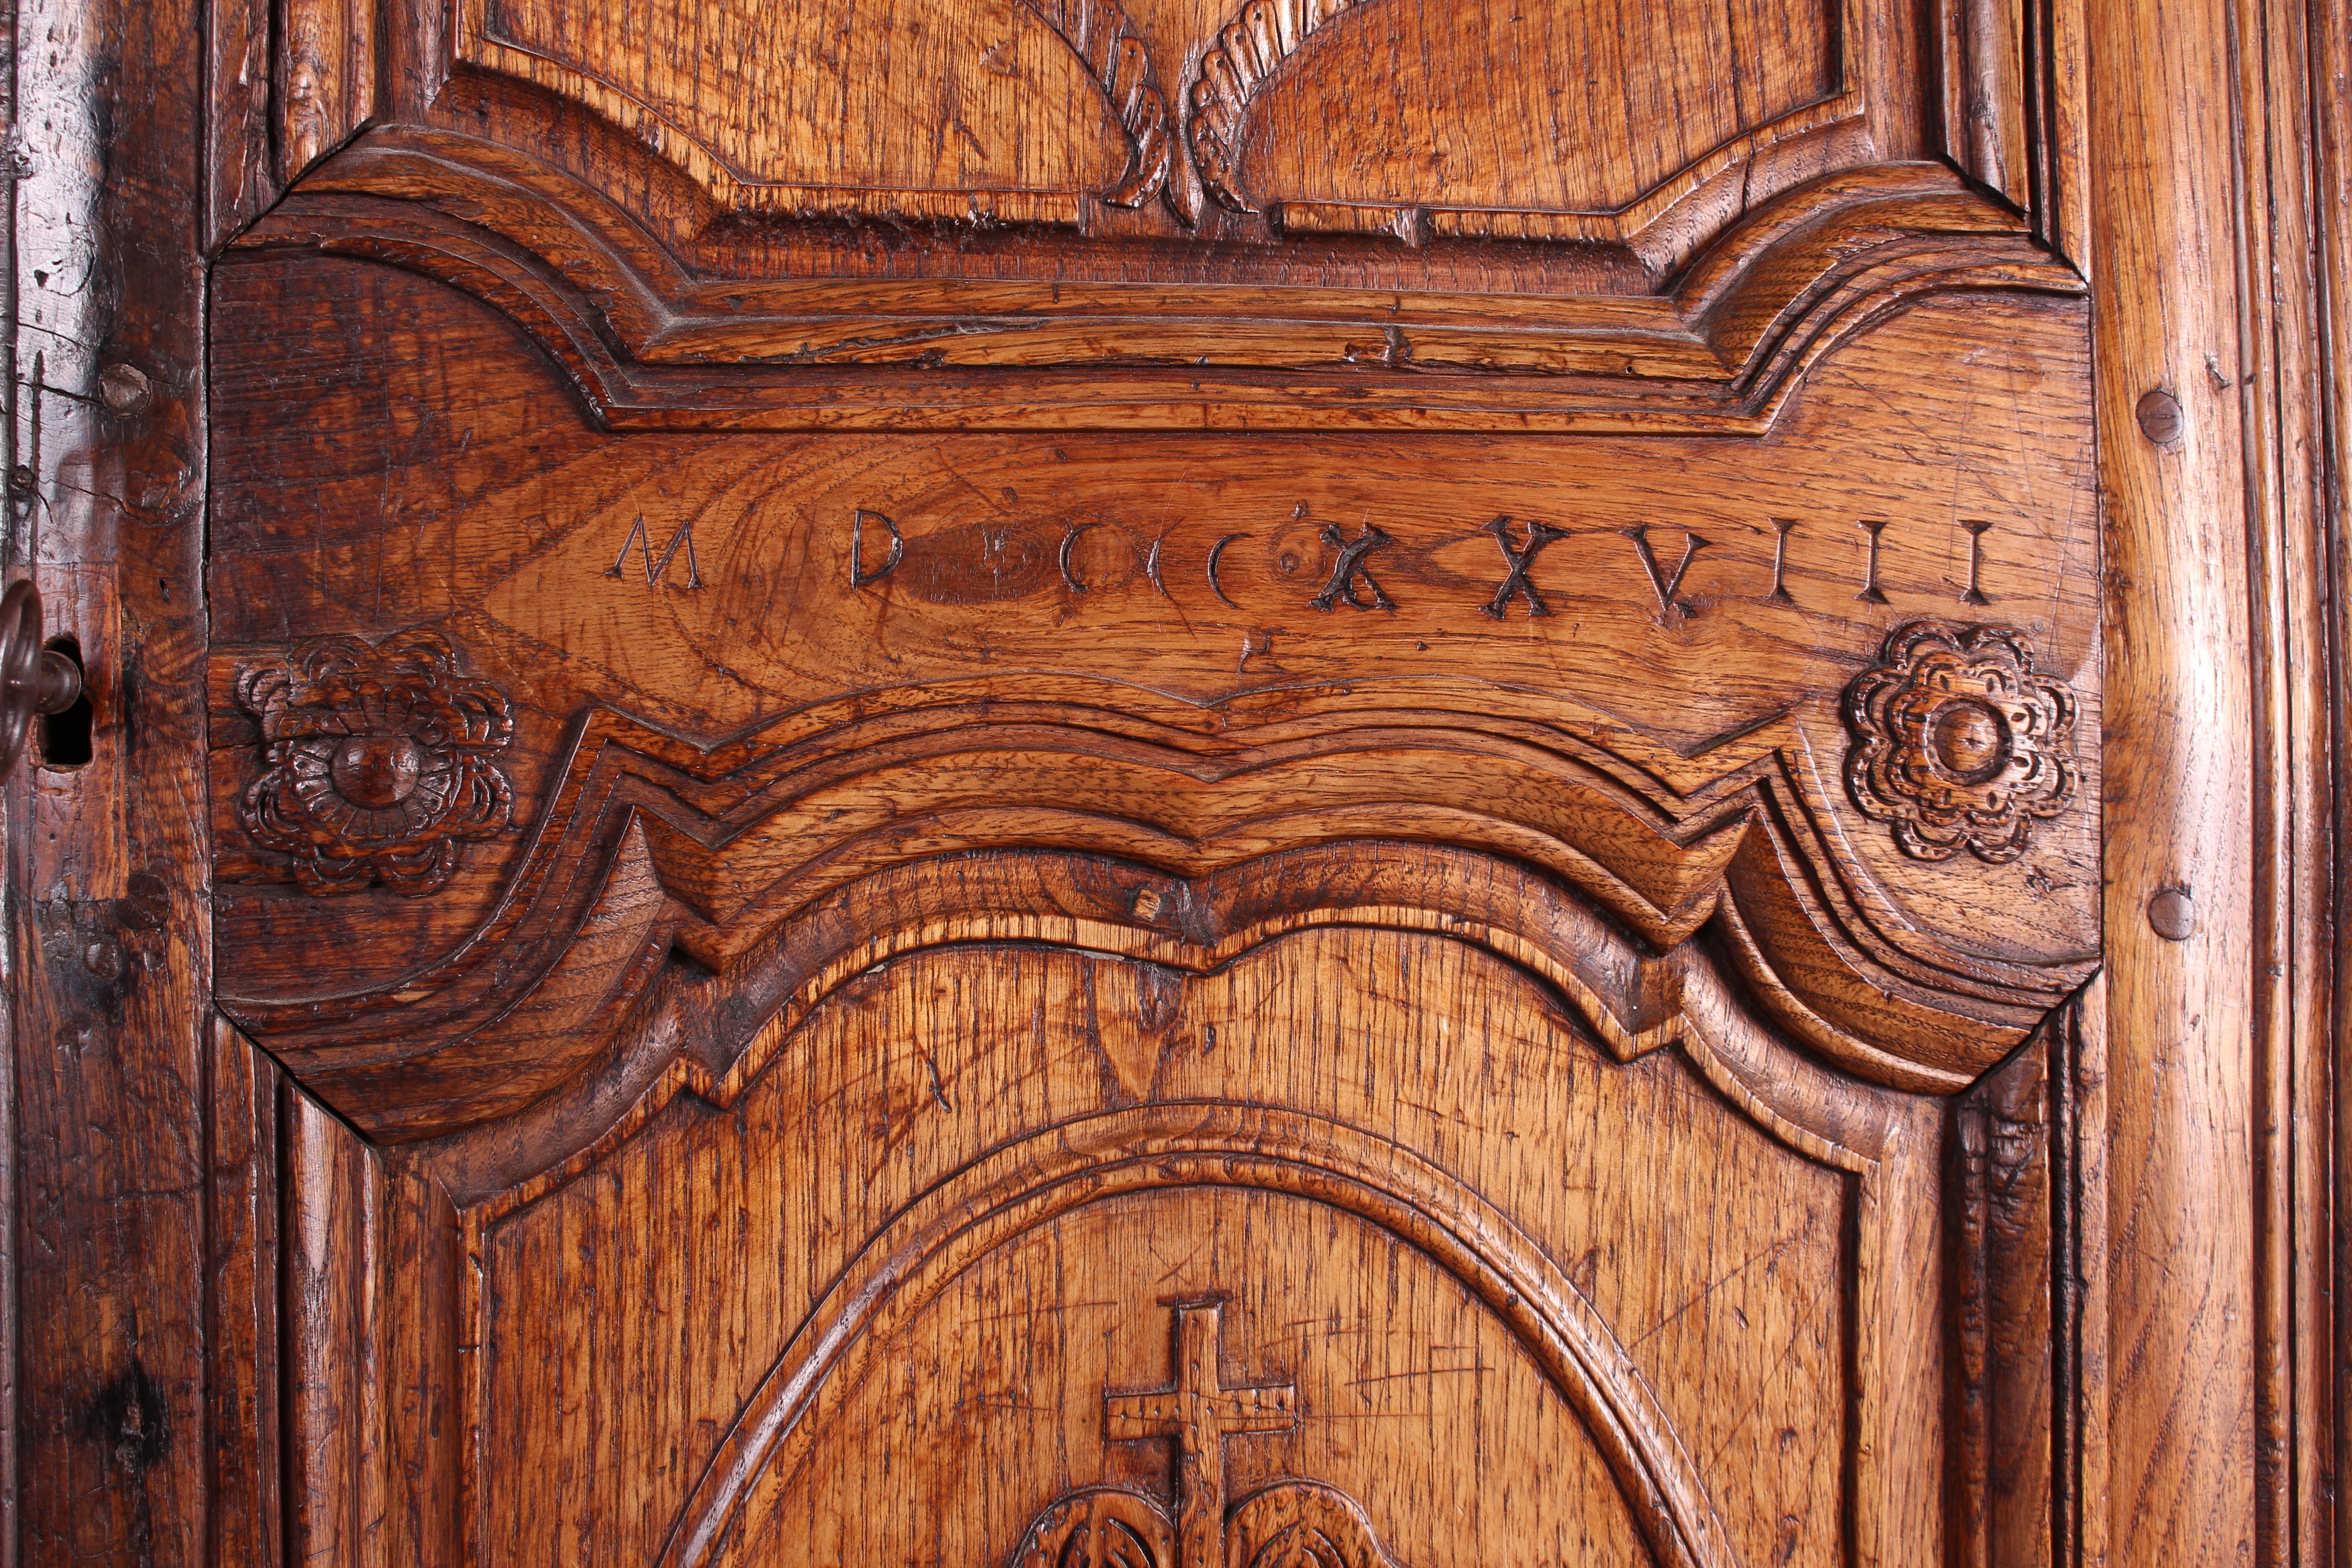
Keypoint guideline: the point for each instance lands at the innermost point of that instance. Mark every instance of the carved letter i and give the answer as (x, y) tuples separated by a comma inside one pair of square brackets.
[(1872, 592), (1783, 527), (1976, 594)]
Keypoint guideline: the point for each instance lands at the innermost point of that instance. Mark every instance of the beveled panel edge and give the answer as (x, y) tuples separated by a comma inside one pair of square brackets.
[(649, 852), (1720, 355)]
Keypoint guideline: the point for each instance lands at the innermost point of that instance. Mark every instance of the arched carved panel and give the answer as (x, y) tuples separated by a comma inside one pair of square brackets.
[(1377, 1134)]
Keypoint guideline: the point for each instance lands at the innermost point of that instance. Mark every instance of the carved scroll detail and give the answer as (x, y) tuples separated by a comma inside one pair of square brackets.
[(1959, 742), (380, 761), (1100, 34)]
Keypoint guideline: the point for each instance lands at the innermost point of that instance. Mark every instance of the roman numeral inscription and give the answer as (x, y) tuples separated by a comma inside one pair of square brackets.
[(1537, 535), (658, 570), (1871, 593), (1542, 568), (1977, 529), (1666, 587), (1351, 582)]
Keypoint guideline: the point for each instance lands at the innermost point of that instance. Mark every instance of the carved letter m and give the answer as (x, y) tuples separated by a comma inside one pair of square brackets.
[(655, 570)]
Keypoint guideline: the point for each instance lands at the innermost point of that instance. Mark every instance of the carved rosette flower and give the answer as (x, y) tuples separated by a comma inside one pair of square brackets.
[(381, 762), (1958, 744)]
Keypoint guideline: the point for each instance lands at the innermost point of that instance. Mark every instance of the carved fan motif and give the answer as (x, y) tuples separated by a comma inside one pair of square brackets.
[(1101, 1527), (380, 761), (1292, 1524), (1243, 56)]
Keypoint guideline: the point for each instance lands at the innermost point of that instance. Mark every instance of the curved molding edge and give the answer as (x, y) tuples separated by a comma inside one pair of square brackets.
[(1098, 32), (647, 346), (1250, 52), (793, 860), (1064, 1168)]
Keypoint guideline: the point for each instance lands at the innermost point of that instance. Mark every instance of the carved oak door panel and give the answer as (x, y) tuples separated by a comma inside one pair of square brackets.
[(1049, 783)]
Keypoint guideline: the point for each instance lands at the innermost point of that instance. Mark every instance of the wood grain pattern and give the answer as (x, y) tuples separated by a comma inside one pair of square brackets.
[(1470, 115), (727, 736), (1408, 213), (241, 167), (2181, 1220), (802, 106), (980, 110), (326, 75), (954, 1082), (2292, 867), (976, 345), (1178, 781), (109, 950), (242, 1308), (2323, 1435)]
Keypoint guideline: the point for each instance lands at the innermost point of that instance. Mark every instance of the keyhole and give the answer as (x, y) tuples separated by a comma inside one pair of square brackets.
[(65, 737)]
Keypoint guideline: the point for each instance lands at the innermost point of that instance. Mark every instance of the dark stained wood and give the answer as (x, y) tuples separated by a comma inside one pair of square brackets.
[(108, 943), (241, 176), (331, 1348), (1159, 782), (242, 1308), (2010, 1450)]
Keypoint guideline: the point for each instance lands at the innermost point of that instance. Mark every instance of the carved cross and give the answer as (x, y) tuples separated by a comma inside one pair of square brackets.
[(1200, 1413)]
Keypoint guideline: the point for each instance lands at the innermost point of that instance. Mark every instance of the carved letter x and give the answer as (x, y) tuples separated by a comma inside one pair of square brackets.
[(1520, 560), (1666, 587), (1350, 580)]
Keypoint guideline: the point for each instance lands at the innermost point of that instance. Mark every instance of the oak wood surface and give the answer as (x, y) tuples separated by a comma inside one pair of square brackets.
[(1165, 782), (107, 948), (1292, 213), (873, 979), (1307, 1026)]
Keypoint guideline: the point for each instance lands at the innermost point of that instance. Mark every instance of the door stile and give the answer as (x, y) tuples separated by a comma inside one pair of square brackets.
[(107, 863), (2328, 46), (2219, 566), (2282, 248)]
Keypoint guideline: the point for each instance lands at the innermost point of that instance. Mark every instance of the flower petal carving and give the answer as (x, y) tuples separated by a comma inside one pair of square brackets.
[(380, 761), (1958, 744)]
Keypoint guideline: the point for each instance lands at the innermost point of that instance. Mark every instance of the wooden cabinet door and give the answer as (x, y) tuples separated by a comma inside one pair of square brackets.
[(1215, 783)]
